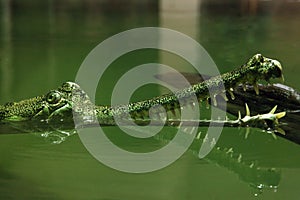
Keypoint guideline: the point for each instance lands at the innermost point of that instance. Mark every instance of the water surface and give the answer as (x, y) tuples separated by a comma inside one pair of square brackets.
[(43, 46)]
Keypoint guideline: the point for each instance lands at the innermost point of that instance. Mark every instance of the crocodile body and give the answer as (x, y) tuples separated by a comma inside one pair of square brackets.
[(60, 103)]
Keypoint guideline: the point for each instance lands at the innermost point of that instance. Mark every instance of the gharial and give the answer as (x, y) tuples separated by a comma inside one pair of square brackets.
[(70, 98)]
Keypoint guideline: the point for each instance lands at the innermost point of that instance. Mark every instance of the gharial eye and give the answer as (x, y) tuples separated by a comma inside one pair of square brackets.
[(53, 97)]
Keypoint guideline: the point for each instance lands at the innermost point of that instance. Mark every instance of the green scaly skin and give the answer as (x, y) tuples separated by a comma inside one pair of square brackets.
[(70, 97)]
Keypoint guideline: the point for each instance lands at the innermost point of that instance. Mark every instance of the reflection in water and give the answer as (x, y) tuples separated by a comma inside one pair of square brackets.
[(67, 30), (258, 177), (249, 171), (56, 136)]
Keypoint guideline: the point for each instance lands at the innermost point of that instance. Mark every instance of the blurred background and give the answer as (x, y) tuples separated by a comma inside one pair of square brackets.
[(43, 43)]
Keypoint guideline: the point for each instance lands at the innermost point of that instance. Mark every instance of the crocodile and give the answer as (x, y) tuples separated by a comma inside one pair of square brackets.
[(69, 97), (70, 100)]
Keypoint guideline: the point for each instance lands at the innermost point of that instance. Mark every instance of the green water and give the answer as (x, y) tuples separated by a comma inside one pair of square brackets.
[(43, 46)]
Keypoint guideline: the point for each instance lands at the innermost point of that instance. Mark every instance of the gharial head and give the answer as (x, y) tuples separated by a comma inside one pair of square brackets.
[(265, 68), (63, 93), (54, 103), (58, 98), (69, 101)]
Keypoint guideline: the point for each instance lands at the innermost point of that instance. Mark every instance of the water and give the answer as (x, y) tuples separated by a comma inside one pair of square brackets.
[(44, 45)]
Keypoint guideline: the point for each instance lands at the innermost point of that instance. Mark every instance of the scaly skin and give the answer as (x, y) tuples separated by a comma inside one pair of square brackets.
[(70, 97)]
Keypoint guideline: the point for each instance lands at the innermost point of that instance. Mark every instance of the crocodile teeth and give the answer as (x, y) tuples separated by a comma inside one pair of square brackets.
[(256, 88), (247, 110), (198, 135), (244, 87), (230, 91), (207, 104), (214, 100), (280, 115), (192, 104), (273, 110), (281, 131), (223, 95), (282, 78)]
